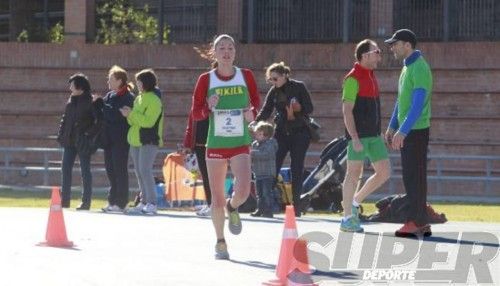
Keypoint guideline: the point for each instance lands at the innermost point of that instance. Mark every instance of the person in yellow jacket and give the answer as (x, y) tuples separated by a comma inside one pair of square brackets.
[(145, 135)]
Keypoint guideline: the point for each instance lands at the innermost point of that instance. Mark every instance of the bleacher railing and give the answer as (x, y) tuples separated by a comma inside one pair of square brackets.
[(439, 174), (488, 175), (48, 166)]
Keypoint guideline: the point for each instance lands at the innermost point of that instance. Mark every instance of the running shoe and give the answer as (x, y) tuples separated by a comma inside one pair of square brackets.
[(234, 221), (221, 251), (350, 225)]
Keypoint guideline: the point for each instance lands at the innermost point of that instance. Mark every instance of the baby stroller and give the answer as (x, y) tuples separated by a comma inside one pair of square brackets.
[(322, 189)]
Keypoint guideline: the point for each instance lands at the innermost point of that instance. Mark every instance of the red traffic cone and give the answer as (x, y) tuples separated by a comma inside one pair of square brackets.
[(56, 230), (286, 251), (299, 273)]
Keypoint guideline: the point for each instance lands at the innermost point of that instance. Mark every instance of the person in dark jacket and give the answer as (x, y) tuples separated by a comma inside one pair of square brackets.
[(292, 102), (78, 121), (116, 148), (195, 139)]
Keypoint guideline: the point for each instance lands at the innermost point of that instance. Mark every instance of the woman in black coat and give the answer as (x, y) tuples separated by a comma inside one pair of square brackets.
[(292, 103), (78, 123), (117, 148)]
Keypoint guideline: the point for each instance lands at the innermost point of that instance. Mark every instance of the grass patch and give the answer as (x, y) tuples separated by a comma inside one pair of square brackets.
[(41, 199), (453, 211), (469, 212)]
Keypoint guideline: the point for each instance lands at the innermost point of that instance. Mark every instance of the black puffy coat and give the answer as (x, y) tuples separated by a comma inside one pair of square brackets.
[(79, 118)]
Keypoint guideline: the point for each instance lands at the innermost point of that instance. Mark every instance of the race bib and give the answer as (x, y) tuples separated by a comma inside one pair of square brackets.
[(228, 123)]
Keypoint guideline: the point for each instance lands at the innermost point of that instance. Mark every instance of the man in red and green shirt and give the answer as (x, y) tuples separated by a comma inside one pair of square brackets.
[(361, 110), (408, 129)]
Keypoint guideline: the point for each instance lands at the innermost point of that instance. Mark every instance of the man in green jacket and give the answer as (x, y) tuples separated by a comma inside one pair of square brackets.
[(408, 129)]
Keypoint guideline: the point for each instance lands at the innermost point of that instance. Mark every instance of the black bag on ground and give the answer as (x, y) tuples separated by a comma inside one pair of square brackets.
[(328, 197), (395, 209)]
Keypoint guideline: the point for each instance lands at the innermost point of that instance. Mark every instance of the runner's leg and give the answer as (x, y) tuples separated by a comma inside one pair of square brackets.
[(217, 169)]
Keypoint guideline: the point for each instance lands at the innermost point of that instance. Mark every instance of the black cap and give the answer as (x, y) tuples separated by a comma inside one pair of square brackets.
[(404, 35)]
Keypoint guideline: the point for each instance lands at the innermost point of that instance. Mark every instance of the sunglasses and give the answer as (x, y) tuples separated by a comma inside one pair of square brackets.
[(274, 79), (377, 51)]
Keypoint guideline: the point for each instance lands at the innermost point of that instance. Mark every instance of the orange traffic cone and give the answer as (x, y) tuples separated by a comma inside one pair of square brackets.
[(286, 251), (56, 230), (299, 273)]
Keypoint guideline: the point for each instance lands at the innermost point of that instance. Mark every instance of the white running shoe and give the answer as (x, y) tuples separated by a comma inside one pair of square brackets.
[(106, 208), (221, 251), (112, 208), (136, 210), (150, 209), (206, 211), (199, 207)]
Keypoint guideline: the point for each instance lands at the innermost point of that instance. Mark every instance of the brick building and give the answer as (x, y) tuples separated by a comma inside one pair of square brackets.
[(465, 104), (272, 21)]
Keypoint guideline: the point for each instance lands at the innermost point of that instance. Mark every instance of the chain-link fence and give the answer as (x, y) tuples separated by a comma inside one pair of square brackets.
[(449, 20), (280, 21), (305, 21), (188, 21)]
